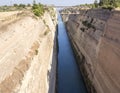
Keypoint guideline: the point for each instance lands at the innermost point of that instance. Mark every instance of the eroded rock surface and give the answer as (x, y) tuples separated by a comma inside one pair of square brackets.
[(27, 57), (95, 36)]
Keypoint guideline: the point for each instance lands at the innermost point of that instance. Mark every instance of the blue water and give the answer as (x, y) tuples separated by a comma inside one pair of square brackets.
[(69, 76)]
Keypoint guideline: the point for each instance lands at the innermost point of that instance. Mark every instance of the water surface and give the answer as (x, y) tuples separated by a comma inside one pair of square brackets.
[(69, 76)]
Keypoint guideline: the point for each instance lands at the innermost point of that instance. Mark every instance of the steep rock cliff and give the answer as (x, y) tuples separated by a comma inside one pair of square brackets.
[(28, 53), (95, 37)]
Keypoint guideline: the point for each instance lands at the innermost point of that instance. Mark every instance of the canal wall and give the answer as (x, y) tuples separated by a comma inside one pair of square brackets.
[(28, 53), (95, 37)]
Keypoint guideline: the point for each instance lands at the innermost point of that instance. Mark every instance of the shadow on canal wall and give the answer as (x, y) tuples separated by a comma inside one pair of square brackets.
[(53, 73)]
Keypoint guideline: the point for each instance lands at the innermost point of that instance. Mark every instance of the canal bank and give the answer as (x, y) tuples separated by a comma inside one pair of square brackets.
[(69, 78)]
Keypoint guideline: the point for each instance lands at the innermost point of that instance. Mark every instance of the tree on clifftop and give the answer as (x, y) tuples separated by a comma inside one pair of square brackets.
[(96, 3), (108, 3), (38, 9), (101, 3)]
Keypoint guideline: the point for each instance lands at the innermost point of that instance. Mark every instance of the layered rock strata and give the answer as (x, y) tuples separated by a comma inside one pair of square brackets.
[(95, 37), (28, 54)]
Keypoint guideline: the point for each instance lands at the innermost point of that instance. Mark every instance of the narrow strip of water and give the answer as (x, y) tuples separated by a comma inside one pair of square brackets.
[(69, 77)]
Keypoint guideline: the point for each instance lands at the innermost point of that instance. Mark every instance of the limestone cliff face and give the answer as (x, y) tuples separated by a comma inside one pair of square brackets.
[(95, 37), (28, 54)]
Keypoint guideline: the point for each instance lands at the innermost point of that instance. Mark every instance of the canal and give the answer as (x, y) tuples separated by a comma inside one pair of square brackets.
[(69, 76)]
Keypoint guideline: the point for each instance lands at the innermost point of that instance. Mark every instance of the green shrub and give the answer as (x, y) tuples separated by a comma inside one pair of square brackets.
[(15, 5), (117, 4), (95, 3), (28, 5), (38, 9), (107, 7), (22, 5), (36, 12)]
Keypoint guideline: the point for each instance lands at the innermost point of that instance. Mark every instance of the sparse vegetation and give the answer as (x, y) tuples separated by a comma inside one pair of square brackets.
[(105, 4), (36, 52), (22, 5), (96, 3), (107, 7), (28, 5), (38, 9), (50, 10), (47, 31), (88, 24), (46, 24), (109, 4), (15, 7)]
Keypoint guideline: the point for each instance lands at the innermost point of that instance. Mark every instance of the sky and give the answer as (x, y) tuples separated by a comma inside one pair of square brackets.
[(55, 2)]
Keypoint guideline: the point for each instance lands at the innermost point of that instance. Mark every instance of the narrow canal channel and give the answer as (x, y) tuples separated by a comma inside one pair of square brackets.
[(69, 77)]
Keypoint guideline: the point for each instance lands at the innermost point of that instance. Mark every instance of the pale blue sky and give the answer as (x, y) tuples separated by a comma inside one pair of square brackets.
[(55, 2)]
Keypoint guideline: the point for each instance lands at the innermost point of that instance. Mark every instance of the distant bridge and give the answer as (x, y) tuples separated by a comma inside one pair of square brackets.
[(62, 6), (59, 6)]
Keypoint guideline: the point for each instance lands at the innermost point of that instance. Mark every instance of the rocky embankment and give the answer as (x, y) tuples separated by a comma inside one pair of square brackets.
[(95, 36), (28, 52)]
